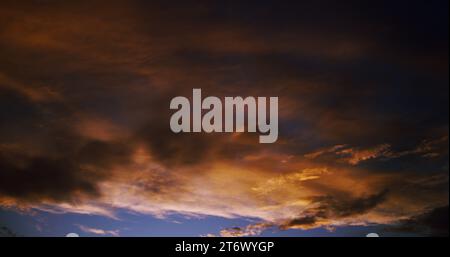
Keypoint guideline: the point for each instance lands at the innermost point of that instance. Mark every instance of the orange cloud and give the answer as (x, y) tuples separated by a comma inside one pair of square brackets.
[(93, 135)]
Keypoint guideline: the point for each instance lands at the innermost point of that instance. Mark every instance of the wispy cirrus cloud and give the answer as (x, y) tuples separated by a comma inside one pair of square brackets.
[(354, 155), (98, 231)]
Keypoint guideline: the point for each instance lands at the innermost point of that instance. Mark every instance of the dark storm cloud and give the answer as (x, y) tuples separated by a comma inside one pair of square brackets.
[(59, 179), (193, 148), (188, 148), (41, 178), (343, 207), (334, 207), (431, 223), (303, 221), (104, 154), (174, 149)]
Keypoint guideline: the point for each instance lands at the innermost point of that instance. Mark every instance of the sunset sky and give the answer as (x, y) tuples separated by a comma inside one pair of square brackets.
[(86, 146)]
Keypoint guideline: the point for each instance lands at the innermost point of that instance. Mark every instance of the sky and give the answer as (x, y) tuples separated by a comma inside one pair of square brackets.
[(86, 146)]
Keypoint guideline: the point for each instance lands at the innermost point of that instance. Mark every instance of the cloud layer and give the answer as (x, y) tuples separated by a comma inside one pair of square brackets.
[(363, 90)]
